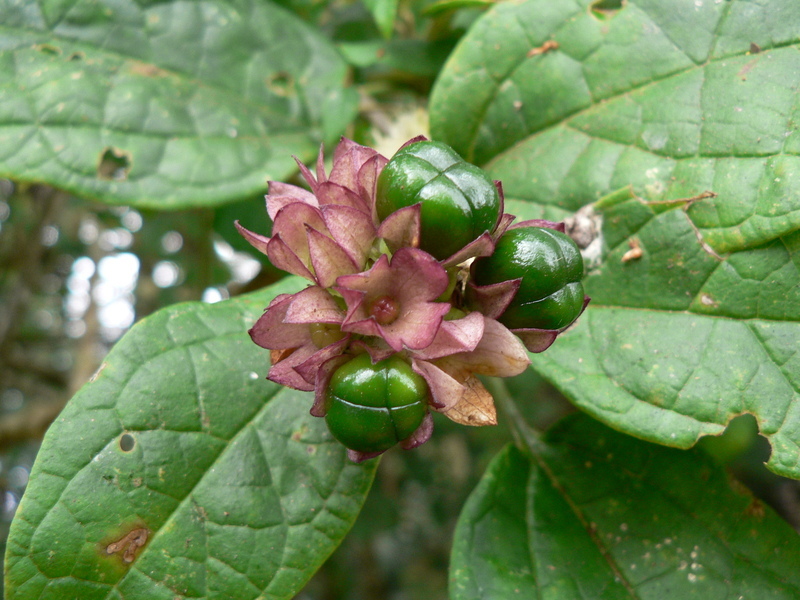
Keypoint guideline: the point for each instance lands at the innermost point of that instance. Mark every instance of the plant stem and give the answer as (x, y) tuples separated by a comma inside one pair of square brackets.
[(525, 437)]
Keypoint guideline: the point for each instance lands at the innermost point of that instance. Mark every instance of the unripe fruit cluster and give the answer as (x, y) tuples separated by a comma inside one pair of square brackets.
[(372, 407)]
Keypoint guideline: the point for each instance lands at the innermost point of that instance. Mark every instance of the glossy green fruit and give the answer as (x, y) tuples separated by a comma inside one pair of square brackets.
[(459, 200), (373, 407), (550, 295)]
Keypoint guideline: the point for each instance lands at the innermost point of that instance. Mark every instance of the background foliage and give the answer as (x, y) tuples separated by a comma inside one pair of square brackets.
[(668, 126)]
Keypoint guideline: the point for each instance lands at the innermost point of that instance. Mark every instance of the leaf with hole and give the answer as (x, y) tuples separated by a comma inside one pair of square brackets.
[(164, 105), (677, 121), (179, 471)]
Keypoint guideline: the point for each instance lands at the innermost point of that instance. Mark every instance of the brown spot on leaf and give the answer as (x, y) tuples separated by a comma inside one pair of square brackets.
[(747, 68), (300, 434), (708, 300), (128, 546), (755, 509), (201, 512), (544, 48), (635, 251), (146, 69)]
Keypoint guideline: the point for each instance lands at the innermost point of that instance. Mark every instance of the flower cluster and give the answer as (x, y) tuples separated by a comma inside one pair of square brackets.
[(374, 290)]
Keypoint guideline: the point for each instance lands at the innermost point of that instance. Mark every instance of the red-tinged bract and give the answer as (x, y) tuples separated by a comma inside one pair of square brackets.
[(373, 291)]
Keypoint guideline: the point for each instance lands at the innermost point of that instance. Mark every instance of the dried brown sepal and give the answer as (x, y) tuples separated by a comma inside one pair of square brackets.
[(276, 356), (475, 407)]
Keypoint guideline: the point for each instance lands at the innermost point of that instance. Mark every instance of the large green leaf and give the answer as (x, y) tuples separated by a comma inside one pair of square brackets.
[(595, 514), (384, 12), (689, 105), (166, 104), (239, 491)]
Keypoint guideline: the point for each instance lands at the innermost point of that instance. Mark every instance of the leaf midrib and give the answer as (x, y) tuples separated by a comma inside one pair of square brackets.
[(537, 450)]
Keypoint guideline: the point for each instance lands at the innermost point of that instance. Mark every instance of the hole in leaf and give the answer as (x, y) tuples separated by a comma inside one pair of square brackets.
[(281, 84), (76, 56), (127, 442), (114, 164), (740, 435), (744, 452), (606, 9), (48, 49)]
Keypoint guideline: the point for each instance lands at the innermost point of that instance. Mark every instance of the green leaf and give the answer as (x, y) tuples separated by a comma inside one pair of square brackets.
[(413, 57), (384, 12), (163, 105), (666, 95), (595, 514), (692, 108), (444, 6), (239, 492)]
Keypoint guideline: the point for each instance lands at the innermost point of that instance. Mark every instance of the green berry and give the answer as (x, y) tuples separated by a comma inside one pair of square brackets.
[(550, 265), (370, 408), (459, 201)]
